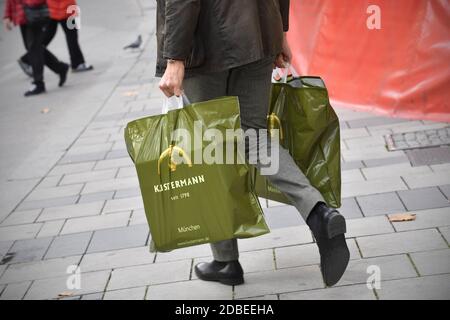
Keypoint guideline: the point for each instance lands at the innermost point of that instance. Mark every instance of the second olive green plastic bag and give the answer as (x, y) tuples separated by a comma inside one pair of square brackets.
[(309, 129), (187, 203)]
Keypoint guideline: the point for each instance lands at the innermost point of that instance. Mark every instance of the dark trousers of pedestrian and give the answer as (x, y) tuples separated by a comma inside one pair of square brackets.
[(38, 55), (76, 56)]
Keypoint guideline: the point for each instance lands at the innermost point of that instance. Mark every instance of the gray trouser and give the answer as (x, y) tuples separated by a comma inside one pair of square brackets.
[(251, 84)]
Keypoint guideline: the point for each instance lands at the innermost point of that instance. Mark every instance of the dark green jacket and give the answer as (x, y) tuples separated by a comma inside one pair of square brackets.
[(215, 35)]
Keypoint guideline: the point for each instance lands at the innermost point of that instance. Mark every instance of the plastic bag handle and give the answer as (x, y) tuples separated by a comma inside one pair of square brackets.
[(174, 102), (285, 71)]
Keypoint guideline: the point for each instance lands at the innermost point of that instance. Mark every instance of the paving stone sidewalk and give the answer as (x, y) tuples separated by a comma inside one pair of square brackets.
[(87, 212)]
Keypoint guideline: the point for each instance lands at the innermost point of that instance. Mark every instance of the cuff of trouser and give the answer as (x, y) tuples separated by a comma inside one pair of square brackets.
[(225, 251), (309, 204)]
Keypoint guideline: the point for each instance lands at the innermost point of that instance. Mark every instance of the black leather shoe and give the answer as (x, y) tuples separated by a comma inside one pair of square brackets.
[(63, 75), (229, 273), (328, 227), (37, 88)]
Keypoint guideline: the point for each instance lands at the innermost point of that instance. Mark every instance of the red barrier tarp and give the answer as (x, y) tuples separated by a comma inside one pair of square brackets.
[(401, 69)]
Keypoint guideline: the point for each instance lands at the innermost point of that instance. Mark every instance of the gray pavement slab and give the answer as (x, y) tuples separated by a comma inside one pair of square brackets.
[(96, 196), (71, 211), (126, 294), (104, 221), (23, 231), (138, 217), (282, 216), (385, 161), (445, 232), (189, 290), (423, 288), (28, 250), (423, 198), (91, 282), (48, 203), (350, 209), (203, 250), (277, 238), (379, 204), (55, 192), (390, 267), (127, 193), (280, 281), (21, 217), (69, 245), (67, 169), (445, 189), (15, 291), (425, 219), (368, 226), (51, 228), (88, 176), (401, 242), (119, 238), (353, 292), (116, 259), (92, 296), (149, 274), (38, 269), (432, 262)]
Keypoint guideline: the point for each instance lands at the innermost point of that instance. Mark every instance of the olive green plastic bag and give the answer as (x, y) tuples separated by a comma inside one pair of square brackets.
[(309, 129), (187, 203)]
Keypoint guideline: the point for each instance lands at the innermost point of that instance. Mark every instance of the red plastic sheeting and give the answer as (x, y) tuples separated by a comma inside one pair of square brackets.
[(401, 70)]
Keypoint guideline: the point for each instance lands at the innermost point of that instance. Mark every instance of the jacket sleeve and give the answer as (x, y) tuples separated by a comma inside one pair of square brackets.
[(181, 18), (284, 10), (8, 9)]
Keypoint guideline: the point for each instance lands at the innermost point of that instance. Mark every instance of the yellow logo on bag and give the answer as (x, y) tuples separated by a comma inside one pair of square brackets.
[(168, 153), (273, 120)]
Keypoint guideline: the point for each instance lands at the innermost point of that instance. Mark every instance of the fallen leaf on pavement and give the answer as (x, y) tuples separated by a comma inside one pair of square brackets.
[(65, 294), (45, 110), (399, 217), (130, 93)]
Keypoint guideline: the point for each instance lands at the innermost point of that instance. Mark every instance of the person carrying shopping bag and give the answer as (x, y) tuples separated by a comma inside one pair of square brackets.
[(215, 48)]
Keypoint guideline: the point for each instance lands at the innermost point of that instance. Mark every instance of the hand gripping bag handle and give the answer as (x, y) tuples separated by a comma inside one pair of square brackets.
[(284, 72), (174, 102)]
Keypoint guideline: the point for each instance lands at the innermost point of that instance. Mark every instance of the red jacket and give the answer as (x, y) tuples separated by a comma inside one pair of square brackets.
[(58, 8), (14, 12), (33, 3)]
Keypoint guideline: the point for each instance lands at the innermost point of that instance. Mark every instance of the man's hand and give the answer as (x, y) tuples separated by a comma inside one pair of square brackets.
[(172, 81), (285, 56), (8, 24)]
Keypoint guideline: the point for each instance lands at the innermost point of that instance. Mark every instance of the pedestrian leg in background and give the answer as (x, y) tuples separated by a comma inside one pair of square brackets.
[(24, 61), (77, 61), (35, 36), (39, 55)]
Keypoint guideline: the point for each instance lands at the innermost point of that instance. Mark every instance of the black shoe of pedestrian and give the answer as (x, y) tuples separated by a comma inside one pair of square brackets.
[(63, 75), (37, 88), (229, 273), (26, 68), (328, 227), (83, 67)]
